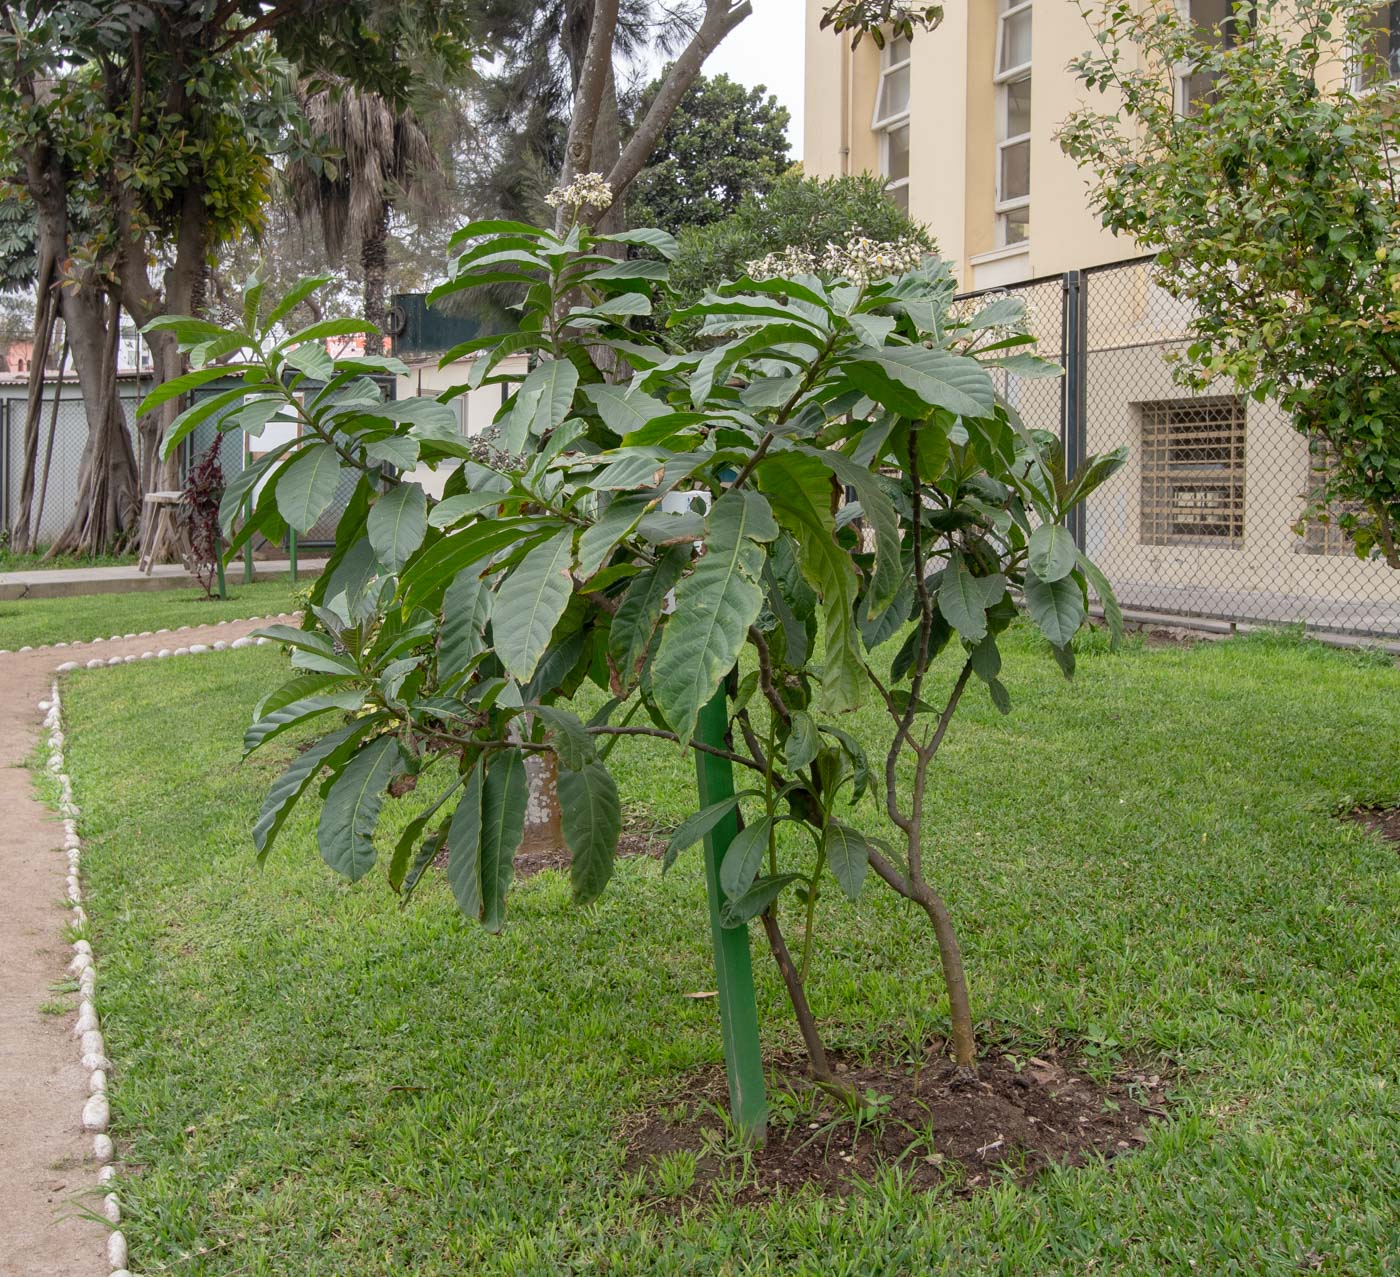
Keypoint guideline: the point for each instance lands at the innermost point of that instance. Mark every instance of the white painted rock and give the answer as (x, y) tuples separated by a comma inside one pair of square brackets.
[(87, 1020), (45, 704), (55, 762), (116, 1250), (262, 642), (94, 1045), (127, 660), (102, 1148), (221, 646), (96, 1113), (107, 1174), (99, 640), (81, 962), (57, 738), (96, 1062), (75, 892), (132, 635), (80, 920), (146, 656), (162, 631), (163, 653), (115, 660), (94, 664), (242, 642), (112, 1209), (182, 629), (198, 649), (182, 651), (144, 634), (97, 1082), (60, 645), (28, 647), (82, 946)]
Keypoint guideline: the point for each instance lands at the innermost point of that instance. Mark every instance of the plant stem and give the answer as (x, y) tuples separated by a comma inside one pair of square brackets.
[(797, 995)]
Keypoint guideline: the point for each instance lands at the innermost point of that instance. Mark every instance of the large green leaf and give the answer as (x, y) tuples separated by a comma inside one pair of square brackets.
[(591, 816), (329, 751), (715, 605), (597, 542), (176, 386), (912, 381), (693, 828), (962, 602), (634, 623), (466, 607), (799, 487), (290, 714), (503, 800), (734, 913), (744, 858), (345, 833), (567, 734), (848, 854), (397, 523), (530, 602), (464, 848), (542, 402), (307, 487), (428, 574), (1052, 552), (1057, 607)]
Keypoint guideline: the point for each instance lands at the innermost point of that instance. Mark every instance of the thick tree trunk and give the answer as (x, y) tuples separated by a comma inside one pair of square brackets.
[(374, 259)]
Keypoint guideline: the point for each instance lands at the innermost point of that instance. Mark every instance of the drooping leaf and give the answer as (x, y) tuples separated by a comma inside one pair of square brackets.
[(719, 600), (464, 848), (466, 607), (591, 816), (913, 380), (634, 624), (1057, 607), (961, 601), (345, 833), (803, 741), (529, 603), (290, 714), (1108, 600), (397, 523), (744, 858), (503, 799), (1052, 552), (568, 735), (735, 913), (307, 488), (848, 854)]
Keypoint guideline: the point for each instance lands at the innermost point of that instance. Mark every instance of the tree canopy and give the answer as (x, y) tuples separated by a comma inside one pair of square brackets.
[(1261, 171), (725, 142)]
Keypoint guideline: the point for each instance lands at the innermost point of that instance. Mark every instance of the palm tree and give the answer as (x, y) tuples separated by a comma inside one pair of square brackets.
[(383, 155)]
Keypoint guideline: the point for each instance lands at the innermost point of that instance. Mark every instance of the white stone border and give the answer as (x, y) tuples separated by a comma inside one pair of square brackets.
[(88, 1029), (118, 638)]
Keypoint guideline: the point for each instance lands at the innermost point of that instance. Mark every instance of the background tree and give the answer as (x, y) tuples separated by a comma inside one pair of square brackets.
[(378, 153), (725, 143), (1272, 208), (796, 212)]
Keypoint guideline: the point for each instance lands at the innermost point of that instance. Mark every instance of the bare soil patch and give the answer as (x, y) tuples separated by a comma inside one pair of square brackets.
[(634, 841), (1384, 820), (1021, 1115)]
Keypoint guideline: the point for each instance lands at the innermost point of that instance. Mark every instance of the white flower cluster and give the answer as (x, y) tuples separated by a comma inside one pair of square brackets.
[(587, 190), (861, 259)]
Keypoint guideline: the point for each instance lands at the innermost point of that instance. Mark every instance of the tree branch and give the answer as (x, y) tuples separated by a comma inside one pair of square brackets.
[(588, 97), (720, 19)]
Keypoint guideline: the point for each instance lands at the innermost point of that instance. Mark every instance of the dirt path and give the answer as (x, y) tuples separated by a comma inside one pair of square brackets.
[(46, 1169)]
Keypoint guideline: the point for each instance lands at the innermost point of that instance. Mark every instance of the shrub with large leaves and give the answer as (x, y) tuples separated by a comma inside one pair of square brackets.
[(803, 510)]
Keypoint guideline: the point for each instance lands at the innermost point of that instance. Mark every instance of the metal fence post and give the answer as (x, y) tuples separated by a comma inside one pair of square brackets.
[(1074, 344)]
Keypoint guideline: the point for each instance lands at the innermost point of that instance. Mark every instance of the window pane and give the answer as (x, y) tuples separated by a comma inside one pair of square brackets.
[(897, 50), (1018, 107), (1015, 171), (1383, 54), (1015, 40), (900, 195), (894, 93), (897, 153), (1016, 226)]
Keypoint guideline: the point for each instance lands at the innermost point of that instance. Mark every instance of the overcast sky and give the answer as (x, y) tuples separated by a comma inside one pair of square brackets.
[(766, 48)]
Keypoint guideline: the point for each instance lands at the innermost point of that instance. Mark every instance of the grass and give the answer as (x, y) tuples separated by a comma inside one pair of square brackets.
[(11, 561), (1145, 863), (89, 616)]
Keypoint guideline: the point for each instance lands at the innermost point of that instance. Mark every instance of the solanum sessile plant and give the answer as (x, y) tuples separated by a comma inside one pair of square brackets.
[(849, 497)]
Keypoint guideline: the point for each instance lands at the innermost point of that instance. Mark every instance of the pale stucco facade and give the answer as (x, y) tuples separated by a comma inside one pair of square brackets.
[(981, 99)]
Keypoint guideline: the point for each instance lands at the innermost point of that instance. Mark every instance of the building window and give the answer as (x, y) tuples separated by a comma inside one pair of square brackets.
[(1379, 60), (1013, 81), (1193, 471), (1226, 23), (892, 119), (1322, 534)]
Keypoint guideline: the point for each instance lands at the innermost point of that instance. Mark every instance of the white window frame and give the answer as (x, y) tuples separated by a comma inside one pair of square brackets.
[(1003, 79), (887, 124), (1358, 83)]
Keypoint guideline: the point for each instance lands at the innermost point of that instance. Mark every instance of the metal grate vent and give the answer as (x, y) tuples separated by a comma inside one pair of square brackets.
[(1193, 471)]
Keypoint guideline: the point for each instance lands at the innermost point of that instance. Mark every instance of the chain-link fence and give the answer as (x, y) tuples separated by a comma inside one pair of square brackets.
[(1204, 520)]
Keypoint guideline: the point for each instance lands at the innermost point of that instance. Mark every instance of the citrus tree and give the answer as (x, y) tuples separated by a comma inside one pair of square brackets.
[(804, 509)]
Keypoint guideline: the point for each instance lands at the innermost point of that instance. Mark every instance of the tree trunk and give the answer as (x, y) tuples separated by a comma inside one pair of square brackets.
[(25, 537), (374, 259)]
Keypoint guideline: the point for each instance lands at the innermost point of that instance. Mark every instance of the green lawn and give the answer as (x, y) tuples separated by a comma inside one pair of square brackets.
[(39, 560), (89, 616), (1145, 862)]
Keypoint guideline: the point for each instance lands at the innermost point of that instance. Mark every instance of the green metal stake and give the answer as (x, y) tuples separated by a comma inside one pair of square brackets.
[(248, 549), (219, 566), (738, 1009), (292, 551)]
